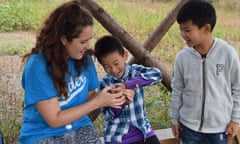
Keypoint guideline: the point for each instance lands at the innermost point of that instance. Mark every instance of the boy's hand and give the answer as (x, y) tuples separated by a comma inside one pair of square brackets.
[(129, 94), (232, 129), (126, 92), (176, 131)]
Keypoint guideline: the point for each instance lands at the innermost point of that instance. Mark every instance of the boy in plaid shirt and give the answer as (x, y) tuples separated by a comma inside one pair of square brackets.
[(128, 124)]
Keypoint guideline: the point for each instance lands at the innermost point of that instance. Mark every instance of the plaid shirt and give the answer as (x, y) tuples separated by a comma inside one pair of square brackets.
[(133, 113)]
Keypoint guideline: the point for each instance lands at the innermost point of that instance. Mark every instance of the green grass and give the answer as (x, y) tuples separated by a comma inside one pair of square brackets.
[(12, 49), (139, 19), (24, 14)]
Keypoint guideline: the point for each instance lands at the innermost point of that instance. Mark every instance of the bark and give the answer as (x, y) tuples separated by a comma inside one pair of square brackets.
[(128, 41), (161, 30)]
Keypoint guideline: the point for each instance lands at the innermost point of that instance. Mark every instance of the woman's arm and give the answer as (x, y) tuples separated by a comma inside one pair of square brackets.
[(55, 117)]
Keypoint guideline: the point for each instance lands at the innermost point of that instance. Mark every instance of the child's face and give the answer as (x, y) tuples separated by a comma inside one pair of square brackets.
[(192, 34), (114, 64)]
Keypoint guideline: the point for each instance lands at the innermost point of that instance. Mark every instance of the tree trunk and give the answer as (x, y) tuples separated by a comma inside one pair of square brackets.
[(161, 30), (128, 41)]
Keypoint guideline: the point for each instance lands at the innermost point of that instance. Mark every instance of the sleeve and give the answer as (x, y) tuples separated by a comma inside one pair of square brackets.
[(148, 73), (105, 81), (177, 85), (235, 86), (138, 80), (93, 78), (102, 84), (38, 83)]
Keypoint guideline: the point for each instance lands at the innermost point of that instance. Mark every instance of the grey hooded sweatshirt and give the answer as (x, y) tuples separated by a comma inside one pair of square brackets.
[(206, 91)]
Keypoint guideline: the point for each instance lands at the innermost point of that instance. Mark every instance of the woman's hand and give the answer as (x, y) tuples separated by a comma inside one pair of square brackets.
[(110, 98)]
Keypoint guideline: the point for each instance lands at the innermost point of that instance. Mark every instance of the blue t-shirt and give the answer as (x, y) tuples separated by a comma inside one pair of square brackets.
[(38, 85)]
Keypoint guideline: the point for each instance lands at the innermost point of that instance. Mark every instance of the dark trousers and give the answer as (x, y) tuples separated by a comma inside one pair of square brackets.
[(150, 140), (1, 137), (189, 136)]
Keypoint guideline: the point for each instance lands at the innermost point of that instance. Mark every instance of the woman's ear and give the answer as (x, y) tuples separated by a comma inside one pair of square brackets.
[(64, 40)]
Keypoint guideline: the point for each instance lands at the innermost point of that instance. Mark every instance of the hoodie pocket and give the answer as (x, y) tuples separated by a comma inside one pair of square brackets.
[(191, 106), (217, 114)]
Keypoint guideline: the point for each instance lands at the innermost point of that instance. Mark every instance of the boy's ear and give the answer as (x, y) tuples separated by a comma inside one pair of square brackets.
[(208, 28), (125, 55), (64, 40)]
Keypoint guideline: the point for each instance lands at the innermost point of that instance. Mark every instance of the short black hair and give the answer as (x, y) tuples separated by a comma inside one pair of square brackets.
[(201, 12), (106, 45)]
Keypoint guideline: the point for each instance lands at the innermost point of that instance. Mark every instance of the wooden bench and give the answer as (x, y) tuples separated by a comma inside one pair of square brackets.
[(169, 141), (236, 139), (166, 137)]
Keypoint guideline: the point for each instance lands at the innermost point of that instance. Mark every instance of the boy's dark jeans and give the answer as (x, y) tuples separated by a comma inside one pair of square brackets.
[(150, 140), (1, 137), (189, 136)]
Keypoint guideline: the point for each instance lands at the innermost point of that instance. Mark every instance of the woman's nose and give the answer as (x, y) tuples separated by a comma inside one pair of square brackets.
[(88, 46)]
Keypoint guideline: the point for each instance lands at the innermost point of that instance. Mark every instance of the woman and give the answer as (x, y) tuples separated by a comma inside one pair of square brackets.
[(59, 79)]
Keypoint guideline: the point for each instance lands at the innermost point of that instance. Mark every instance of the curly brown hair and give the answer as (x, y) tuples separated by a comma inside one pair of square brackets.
[(67, 20)]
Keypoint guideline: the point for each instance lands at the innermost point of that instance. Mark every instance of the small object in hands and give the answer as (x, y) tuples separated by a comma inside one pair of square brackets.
[(115, 89)]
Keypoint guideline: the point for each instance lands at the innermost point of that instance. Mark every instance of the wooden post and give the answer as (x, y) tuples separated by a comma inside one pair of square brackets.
[(161, 30), (128, 41)]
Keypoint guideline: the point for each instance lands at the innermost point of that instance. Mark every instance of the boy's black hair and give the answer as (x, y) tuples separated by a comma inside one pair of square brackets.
[(106, 45), (200, 12)]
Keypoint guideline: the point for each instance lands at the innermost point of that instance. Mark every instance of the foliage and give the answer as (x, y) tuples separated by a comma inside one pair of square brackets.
[(20, 49), (10, 130), (23, 14), (157, 100)]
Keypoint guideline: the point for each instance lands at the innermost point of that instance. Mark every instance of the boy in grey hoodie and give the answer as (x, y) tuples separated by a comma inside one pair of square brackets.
[(206, 80)]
